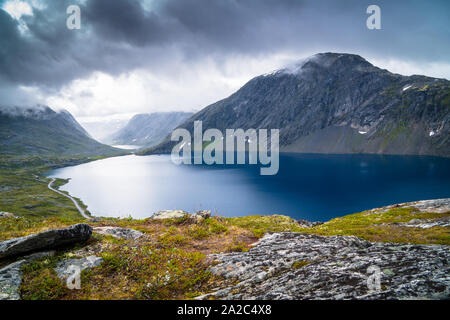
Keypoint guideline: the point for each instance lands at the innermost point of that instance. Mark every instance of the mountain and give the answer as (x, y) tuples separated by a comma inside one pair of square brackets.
[(43, 131), (102, 129), (337, 103), (148, 129)]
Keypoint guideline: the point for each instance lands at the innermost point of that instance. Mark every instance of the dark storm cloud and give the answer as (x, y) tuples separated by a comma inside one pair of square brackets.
[(44, 54), (127, 21), (120, 35)]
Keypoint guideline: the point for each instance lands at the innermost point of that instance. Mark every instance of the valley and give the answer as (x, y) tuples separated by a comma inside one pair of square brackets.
[(244, 232)]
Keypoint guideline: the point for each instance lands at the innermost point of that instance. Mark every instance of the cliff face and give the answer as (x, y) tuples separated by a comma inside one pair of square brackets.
[(338, 103)]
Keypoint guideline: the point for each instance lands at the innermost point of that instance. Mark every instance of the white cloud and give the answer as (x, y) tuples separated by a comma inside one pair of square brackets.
[(17, 9), (406, 68), (185, 87)]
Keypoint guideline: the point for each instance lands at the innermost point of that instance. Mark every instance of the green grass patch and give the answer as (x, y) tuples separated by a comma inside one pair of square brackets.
[(260, 225), (300, 264), (381, 226), (40, 281)]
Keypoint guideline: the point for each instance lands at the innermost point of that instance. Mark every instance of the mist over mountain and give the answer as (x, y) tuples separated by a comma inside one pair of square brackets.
[(337, 103), (148, 129), (101, 130), (42, 131)]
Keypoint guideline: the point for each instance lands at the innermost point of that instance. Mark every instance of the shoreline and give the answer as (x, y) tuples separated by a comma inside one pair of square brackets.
[(79, 208)]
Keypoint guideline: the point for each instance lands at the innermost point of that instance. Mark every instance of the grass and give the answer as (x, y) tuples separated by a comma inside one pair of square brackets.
[(169, 263), (378, 227), (40, 281), (25, 195), (260, 225), (14, 228), (381, 227), (24, 191)]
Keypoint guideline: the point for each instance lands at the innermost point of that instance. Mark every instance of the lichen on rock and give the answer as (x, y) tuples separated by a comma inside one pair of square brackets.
[(305, 266), (119, 233)]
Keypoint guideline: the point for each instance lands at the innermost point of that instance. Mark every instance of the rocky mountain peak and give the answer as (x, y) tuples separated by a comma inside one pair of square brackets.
[(322, 62), (338, 103)]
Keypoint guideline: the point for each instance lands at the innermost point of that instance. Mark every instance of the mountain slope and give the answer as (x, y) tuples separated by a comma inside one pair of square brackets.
[(338, 103), (42, 131), (103, 128), (148, 129)]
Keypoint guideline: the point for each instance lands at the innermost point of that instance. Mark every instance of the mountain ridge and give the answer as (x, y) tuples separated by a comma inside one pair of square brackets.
[(337, 103), (148, 129), (40, 130)]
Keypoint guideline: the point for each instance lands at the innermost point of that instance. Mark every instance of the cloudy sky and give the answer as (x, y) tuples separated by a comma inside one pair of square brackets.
[(134, 56)]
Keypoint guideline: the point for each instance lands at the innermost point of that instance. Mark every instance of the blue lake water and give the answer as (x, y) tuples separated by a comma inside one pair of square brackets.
[(312, 187)]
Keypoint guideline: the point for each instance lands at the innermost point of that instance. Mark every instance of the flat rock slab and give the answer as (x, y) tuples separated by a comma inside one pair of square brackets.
[(119, 233), (304, 266), (11, 276), (426, 223), (435, 205), (45, 240), (66, 268)]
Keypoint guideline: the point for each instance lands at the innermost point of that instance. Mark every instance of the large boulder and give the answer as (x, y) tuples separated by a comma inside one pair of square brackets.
[(169, 214), (200, 215), (45, 240), (204, 214)]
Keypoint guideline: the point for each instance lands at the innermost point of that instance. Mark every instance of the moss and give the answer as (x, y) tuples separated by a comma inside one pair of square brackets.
[(215, 225), (260, 225), (381, 226), (237, 247), (173, 240), (373, 226), (40, 281), (148, 273), (42, 285), (198, 232), (300, 264)]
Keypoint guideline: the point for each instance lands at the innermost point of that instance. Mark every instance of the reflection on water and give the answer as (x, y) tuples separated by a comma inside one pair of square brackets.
[(126, 146), (313, 187)]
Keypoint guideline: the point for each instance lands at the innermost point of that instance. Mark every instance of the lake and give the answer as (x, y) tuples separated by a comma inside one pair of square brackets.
[(313, 187)]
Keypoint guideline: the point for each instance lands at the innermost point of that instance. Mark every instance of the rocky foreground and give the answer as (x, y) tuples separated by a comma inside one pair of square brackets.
[(395, 252), (290, 265), (305, 266)]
